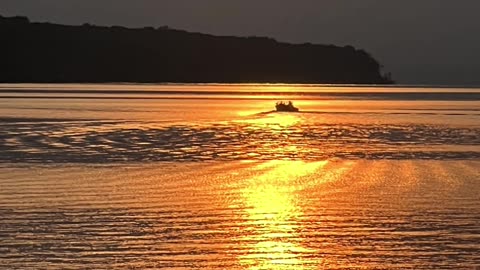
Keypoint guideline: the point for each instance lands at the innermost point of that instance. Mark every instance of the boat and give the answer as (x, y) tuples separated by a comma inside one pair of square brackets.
[(285, 107)]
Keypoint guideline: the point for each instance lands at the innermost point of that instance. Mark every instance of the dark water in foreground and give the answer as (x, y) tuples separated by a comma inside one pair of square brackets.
[(104, 142), (188, 177)]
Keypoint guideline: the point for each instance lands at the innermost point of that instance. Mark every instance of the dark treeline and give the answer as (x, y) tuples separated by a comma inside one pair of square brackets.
[(44, 52)]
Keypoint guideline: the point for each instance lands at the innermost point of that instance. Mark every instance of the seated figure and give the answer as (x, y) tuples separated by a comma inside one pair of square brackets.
[(285, 107)]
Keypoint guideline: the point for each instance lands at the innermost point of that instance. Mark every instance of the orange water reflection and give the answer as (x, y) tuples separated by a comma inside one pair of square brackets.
[(278, 119), (273, 204), (280, 125)]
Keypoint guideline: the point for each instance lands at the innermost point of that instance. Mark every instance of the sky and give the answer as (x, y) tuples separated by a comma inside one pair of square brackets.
[(420, 41)]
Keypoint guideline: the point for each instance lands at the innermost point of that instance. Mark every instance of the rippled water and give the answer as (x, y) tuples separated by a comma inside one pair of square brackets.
[(267, 137), (100, 179)]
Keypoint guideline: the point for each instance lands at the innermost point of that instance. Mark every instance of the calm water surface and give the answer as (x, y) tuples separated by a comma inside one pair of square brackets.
[(207, 176)]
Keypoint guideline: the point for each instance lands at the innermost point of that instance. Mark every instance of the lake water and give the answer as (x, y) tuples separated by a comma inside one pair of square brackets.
[(124, 176)]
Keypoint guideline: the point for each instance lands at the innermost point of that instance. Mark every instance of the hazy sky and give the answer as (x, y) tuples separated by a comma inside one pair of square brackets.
[(419, 41)]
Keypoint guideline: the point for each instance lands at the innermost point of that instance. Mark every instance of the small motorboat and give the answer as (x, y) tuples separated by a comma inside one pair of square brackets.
[(285, 107)]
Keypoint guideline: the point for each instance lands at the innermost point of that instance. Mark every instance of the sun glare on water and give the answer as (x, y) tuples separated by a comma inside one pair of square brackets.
[(276, 119), (273, 208)]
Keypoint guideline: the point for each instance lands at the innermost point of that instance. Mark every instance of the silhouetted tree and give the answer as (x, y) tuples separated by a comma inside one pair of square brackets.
[(42, 52)]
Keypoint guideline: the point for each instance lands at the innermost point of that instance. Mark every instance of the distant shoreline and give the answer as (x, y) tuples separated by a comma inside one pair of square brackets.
[(53, 53)]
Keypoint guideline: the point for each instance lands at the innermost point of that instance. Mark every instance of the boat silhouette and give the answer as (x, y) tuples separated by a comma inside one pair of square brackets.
[(282, 106)]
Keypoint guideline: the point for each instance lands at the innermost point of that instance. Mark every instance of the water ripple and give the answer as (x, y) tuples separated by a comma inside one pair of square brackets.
[(93, 142), (234, 215)]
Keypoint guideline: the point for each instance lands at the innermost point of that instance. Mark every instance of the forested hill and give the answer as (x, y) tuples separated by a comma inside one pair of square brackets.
[(44, 52)]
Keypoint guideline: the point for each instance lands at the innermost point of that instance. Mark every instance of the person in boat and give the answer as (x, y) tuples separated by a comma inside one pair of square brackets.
[(285, 107)]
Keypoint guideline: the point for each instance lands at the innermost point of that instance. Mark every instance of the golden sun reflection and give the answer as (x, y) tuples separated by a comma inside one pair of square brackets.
[(273, 207), (279, 119), (284, 125)]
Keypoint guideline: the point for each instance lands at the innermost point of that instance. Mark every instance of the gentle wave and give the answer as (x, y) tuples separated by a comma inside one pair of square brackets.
[(111, 141), (272, 215), (179, 184)]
